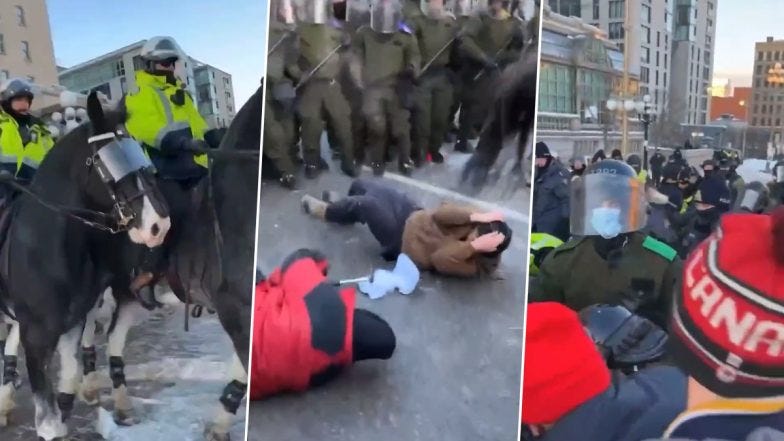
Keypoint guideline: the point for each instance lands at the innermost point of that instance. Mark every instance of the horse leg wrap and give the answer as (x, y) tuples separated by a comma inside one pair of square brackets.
[(232, 396), (66, 403), (117, 371), (10, 374), (88, 359)]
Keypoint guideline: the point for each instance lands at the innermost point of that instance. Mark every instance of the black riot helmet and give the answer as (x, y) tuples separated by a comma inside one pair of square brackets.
[(628, 341), (15, 88)]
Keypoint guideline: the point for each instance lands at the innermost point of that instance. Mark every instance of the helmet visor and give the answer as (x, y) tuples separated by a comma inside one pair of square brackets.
[(385, 16), (607, 205)]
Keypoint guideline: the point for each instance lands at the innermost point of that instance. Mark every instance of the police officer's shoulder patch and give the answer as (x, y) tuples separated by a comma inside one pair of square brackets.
[(660, 248), (568, 246)]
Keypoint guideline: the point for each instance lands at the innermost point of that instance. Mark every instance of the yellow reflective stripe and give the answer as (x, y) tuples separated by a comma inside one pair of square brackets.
[(7, 159), (30, 162), (171, 125)]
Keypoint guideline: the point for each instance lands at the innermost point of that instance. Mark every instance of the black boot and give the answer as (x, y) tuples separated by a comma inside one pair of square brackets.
[(349, 168), (288, 181), (436, 157), (406, 168), (463, 146), (312, 171), (378, 168), (142, 287)]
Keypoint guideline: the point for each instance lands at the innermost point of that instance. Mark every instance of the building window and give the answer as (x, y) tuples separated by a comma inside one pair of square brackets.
[(665, 60), (657, 78), (754, 121), (124, 85), (26, 51), (2, 45), (617, 8), (212, 74), (4, 75), (768, 56), (645, 74), (646, 35), (557, 89), (646, 14), (616, 31), (119, 68), (759, 56), (646, 55), (657, 58), (595, 9), (20, 16)]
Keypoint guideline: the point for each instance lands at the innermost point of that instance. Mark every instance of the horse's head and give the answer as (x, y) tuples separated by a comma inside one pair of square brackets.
[(124, 182)]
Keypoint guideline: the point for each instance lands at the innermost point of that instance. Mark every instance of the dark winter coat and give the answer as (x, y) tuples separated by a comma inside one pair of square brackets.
[(632, 408), (551, 200)]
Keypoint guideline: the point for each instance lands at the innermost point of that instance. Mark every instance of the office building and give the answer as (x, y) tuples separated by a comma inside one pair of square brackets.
[(767, 93), (26, 48)]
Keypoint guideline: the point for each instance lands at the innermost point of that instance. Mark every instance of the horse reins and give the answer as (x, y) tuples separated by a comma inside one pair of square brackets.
[(71, 212)]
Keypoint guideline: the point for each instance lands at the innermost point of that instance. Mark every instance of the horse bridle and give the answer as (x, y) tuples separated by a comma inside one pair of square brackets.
[(115, 159)]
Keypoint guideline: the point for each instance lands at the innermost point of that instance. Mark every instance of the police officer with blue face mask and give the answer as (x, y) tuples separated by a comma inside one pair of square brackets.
[(608, 260)]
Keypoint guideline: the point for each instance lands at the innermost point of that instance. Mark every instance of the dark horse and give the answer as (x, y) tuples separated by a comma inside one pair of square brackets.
[(513, 112), (210, 264), (54, 265)]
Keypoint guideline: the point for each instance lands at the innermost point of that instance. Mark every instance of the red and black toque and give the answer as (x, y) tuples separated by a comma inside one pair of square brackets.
[(728, 318)]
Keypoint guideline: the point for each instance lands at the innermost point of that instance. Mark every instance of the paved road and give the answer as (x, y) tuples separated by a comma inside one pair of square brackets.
[(175, 377), (456, 372)]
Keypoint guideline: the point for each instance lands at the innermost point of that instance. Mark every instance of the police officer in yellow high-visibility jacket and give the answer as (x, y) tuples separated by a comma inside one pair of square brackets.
[(24, 140), (162, 115), (164, 119)]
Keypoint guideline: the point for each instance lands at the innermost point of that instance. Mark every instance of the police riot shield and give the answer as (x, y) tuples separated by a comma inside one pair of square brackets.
[(357, 13), (282, 11), (314, 11), (435, 8), (385, 16)]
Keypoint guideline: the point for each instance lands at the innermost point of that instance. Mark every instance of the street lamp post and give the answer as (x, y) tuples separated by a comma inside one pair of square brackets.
[(625, 105)]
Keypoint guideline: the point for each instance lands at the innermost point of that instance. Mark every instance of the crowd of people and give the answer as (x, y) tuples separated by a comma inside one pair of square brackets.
[(384, 78), (680, 263)]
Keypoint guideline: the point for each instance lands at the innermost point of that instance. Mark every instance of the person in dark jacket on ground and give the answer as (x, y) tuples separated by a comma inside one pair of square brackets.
[(551, 195), (727, 333), (569, 394), (451, 239), (307, 330)]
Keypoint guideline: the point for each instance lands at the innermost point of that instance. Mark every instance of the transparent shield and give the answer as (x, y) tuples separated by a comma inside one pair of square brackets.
[(752, 200), (314, 11), (463, 8), (385, 15), (122, 157), (433, 8), (358, 12), (283, 11), (607, 205)]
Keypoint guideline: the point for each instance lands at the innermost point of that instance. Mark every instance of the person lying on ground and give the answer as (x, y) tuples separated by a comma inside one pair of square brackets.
[(306, 330), (452, 239), (570, 394)]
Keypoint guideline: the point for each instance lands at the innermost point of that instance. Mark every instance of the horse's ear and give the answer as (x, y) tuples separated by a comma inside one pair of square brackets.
[(95, 113)]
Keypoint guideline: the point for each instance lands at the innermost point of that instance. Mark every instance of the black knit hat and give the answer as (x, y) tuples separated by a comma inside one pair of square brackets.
[(542, 151)]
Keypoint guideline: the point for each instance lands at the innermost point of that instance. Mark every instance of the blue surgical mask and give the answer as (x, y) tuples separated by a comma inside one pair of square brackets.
[(606, 221)]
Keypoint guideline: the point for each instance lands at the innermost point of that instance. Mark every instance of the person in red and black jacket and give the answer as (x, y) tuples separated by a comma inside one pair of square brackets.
[(306, 330)]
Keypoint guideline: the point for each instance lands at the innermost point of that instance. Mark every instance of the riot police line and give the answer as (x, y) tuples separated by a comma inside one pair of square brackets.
[(385, 79)]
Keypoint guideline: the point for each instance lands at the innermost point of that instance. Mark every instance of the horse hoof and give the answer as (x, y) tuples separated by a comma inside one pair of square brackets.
[(125, 417), (210, 434)]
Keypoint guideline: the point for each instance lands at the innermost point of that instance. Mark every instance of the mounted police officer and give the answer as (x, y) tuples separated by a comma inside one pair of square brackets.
[(24, 140), (608, 260), (163, 118)]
